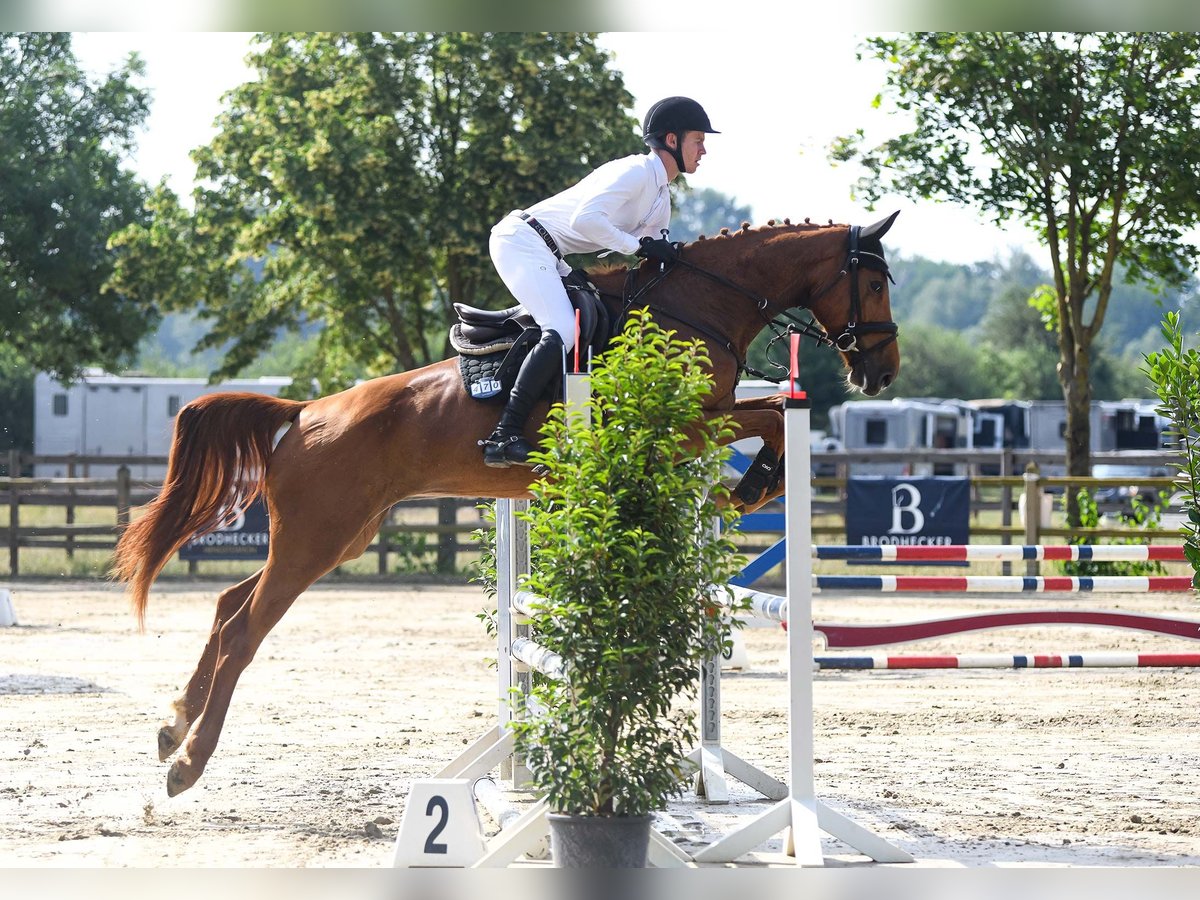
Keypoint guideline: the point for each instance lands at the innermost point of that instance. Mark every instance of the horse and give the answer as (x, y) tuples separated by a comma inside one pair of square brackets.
[(331, 468)]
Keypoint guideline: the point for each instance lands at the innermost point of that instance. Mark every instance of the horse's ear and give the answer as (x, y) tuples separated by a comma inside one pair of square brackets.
[(880, 228)]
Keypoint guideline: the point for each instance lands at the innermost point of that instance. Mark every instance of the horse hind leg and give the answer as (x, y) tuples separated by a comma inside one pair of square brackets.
[(190, 702), (288, 573), (237, 639)]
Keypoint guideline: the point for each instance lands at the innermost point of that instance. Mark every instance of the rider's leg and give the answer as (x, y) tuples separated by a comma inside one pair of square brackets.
[(507, 444), (532, 274)]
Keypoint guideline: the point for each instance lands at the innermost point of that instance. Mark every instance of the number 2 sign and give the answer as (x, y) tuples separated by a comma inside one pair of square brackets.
[(440, 826)]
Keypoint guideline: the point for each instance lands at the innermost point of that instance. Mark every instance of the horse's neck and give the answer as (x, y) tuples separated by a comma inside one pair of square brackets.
[(782, 264)]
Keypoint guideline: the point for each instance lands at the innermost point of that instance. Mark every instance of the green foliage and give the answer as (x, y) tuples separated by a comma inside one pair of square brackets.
[(1175, 372), (16, 405), (354, 183), (615, 539), (941, 363), (1090, 138), (415, 554), (63, 192), (1145, 518), (484, 573)]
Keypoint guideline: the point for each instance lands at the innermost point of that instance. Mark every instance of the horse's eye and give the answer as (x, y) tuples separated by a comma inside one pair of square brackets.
[(877, 287)]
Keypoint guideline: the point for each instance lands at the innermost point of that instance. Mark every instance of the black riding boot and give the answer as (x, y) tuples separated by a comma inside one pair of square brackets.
[(507, 445)]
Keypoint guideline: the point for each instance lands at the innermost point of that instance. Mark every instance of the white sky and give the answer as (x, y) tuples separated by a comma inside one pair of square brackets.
[(778, 99)]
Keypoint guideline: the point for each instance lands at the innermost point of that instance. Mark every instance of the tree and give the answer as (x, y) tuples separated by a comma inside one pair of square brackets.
[(16, 405), (1091, 139), (62, 194), (939, 362), (364, 172)]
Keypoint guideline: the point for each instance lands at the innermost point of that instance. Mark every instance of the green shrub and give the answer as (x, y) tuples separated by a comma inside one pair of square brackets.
[(1175, 372), (622, 543), (1145, 518)]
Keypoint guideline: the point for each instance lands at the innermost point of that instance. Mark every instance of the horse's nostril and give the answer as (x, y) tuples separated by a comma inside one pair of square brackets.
[(885, 382)]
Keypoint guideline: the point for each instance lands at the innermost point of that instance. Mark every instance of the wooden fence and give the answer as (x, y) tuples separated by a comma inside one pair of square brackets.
[(443, 526)]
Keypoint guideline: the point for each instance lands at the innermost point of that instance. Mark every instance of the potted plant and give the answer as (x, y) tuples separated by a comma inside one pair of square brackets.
[(622, 546)]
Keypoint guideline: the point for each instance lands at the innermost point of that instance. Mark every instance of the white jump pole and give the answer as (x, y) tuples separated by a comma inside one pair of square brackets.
[(801, 813)]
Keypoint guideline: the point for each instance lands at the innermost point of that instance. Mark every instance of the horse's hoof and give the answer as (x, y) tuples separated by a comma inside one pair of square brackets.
[(176, 782), (167, 743)]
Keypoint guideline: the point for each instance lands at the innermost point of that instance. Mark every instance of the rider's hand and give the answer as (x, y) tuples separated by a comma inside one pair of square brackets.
[(658, 249)]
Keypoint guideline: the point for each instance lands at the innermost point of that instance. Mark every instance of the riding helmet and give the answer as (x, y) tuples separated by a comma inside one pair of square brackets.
[(674, 115)]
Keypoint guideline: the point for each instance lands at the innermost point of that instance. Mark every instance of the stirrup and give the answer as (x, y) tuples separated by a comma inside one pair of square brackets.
[(496, 452)]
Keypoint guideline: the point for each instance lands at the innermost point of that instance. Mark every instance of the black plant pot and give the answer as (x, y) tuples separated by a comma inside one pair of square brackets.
[(599, 842)]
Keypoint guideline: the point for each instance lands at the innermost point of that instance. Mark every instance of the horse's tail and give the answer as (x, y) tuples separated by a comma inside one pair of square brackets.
[(217, 466)]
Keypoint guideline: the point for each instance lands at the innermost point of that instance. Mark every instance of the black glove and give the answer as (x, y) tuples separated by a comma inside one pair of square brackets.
[(658, 249)]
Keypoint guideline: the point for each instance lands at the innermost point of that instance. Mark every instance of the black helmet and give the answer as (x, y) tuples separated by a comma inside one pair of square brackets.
[(674, 115)]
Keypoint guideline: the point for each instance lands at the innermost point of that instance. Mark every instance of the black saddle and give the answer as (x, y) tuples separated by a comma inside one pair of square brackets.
[(492, 343)]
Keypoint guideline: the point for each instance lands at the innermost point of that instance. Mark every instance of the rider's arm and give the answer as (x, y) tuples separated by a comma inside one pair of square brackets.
[(594, 216)]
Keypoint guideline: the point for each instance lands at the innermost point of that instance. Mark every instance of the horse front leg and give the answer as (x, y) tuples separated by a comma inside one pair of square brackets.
[(188, 705), (760, 417)]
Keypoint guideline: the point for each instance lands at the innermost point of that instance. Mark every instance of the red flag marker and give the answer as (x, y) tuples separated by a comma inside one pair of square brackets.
[(794, 372)]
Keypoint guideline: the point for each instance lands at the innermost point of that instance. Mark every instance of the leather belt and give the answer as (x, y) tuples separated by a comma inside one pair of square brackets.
[(541, 230)]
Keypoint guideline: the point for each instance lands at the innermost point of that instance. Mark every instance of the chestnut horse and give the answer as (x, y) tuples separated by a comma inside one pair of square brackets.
[(344, 460)]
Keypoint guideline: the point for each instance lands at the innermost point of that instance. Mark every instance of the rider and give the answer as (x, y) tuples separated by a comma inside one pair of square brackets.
[(624, 205)]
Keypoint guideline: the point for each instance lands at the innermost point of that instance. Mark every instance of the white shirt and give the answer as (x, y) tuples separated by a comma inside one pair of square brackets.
[(610, 209)]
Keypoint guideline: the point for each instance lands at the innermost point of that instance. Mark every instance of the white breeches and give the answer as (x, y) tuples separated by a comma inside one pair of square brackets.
[(532, 275)]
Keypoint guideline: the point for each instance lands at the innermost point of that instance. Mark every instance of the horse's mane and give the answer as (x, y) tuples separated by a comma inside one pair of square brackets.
[(746, 230)]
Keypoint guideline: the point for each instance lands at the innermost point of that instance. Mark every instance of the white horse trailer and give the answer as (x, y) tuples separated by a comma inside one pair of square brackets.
[(902, 424)]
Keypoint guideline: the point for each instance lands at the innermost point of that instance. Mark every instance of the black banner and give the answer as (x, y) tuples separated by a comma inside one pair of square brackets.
[(907, 511), (247, 537)]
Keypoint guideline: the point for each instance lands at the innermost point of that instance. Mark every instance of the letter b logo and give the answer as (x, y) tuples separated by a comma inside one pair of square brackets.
[(906, 510)]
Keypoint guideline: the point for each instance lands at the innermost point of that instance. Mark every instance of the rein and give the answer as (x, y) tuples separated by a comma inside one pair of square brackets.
[(846, 342)]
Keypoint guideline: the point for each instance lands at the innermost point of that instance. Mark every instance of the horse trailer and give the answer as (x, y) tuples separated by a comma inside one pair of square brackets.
[(902, 424)]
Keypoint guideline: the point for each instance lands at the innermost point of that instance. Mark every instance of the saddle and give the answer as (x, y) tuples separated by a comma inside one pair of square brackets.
[(493, 343)]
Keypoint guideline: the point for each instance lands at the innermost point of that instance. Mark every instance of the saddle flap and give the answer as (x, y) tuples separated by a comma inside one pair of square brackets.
[(492, 374)]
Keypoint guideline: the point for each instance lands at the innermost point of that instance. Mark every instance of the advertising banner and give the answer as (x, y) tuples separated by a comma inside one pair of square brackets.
[(913, 511), (246, 537)]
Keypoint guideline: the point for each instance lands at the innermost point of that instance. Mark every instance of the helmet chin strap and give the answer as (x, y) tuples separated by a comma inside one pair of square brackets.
[(677, 152)]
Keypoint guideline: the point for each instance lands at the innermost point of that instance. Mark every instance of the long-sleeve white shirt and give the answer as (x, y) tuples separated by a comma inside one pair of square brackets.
[(612, 208)]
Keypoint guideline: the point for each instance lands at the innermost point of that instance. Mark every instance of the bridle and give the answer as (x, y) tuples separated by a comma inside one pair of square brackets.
[(786, 323)]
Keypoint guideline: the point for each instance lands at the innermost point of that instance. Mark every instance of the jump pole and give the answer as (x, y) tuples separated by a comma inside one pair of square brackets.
[(803, 815)]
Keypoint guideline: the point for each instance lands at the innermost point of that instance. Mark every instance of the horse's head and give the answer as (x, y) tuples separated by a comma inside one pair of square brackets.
[(855, 310)]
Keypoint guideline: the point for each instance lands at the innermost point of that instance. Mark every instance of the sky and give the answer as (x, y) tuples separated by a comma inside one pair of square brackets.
[(778, 99)]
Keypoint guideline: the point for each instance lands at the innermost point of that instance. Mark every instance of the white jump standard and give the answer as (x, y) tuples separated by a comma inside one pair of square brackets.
[(803, 815)]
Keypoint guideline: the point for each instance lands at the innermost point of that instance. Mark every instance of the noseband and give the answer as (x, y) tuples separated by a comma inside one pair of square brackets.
[(846, 342)]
